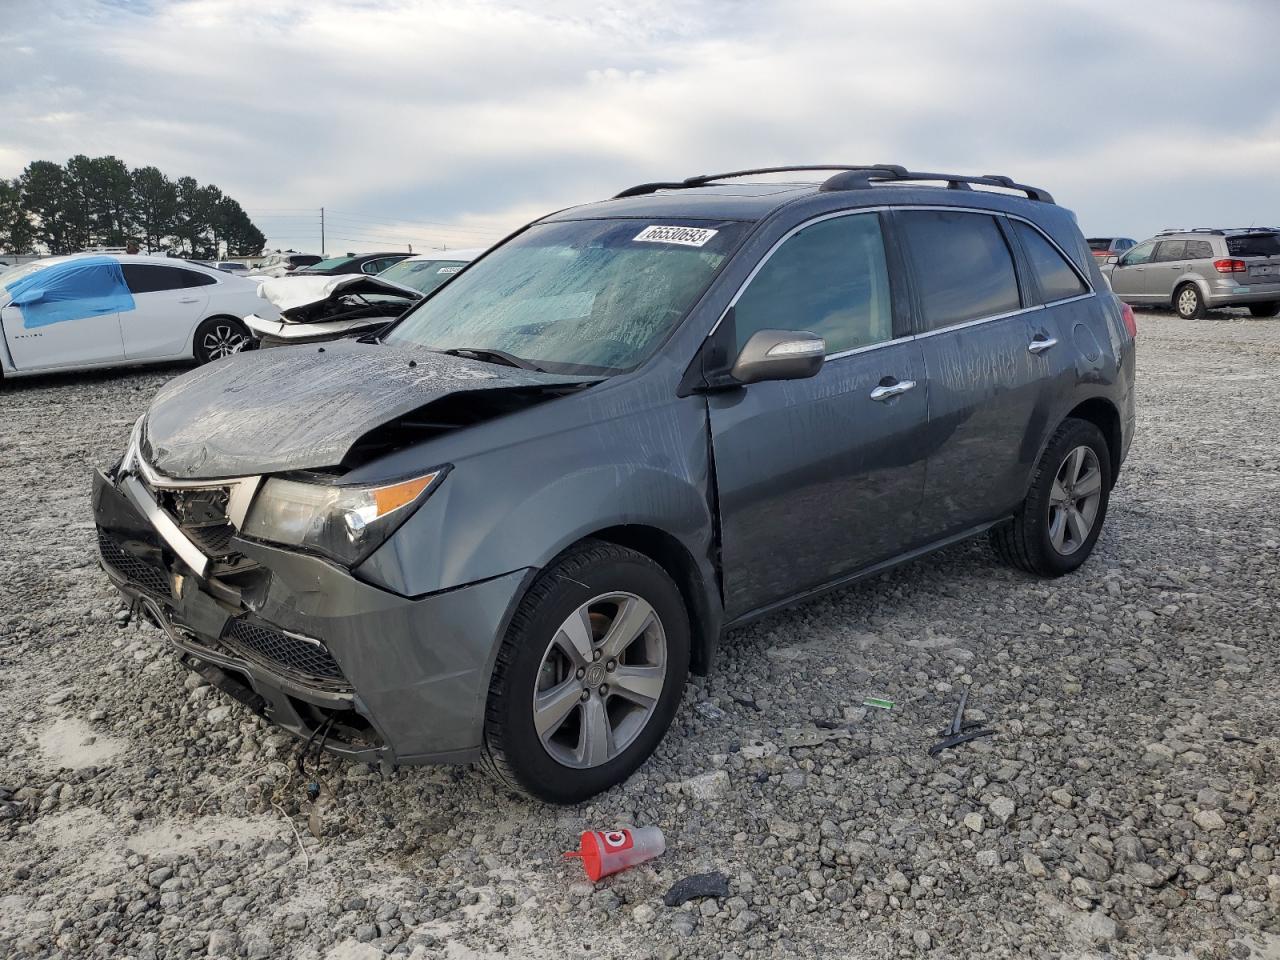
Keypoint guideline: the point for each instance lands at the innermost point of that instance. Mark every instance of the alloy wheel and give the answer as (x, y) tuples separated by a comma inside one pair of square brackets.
[(1074, 500), (1188, 301), (222, 341), (600, 680)]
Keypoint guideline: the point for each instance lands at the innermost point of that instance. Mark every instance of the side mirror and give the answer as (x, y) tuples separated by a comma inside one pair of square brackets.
[(779, 355), (26, 297), (1113, 260)]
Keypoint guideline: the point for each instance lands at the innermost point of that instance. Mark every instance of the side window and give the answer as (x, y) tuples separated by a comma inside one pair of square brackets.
[(1168, 250), (194, 278), (1199, 250), (1139, 254), (831, 279), (961, 264), (1054, 274), (373, 266)]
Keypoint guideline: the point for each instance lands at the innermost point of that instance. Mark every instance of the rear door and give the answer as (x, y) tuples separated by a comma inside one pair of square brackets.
[(168, 303), (1129, 276), (70, 322), (821, 477), (986, 385)]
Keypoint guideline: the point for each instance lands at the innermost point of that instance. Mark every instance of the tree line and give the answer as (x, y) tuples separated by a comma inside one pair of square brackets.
[(98, 201)]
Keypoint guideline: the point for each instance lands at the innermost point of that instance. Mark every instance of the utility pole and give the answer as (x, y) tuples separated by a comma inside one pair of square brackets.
[(322, 231)]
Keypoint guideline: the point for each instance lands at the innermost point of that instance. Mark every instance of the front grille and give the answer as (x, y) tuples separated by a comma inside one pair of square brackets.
[(214, 538), (134, 569), (306, 661)]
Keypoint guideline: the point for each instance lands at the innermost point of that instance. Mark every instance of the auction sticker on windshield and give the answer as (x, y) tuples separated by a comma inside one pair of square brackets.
[(686, 236)]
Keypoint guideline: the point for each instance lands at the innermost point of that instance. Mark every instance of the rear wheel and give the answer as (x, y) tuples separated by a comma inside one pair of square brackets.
[(1188, 302), (219, 337), (1059, 522), (588, 676), (1265, 309)]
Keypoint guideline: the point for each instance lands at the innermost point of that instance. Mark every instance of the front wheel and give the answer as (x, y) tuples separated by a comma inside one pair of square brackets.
[(1059, 522), (1188, 302), (219, 337), (588, 676), (1265, 309)]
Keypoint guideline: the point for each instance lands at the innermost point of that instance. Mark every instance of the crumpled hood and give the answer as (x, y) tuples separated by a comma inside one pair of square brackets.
[(295, 297), (298, 408)]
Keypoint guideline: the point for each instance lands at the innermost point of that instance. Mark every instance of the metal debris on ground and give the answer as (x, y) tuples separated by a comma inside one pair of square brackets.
[(960, 732), (696, 887)]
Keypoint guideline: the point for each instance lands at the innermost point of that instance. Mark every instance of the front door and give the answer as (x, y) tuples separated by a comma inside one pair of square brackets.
[(1129, 277), (67, 315), (168, 302), (818, 478)]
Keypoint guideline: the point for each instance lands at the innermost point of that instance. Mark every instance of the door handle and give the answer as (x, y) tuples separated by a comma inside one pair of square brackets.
[(883, 392), (1041, 344), (189, 300)]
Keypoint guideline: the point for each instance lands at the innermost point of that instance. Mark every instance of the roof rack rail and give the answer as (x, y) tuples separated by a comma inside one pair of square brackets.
[(703, 179), (865, 179)]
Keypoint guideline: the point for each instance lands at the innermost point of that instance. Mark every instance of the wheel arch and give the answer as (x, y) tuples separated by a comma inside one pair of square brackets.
[(1102, 413), (670, 554), (1201, 285)]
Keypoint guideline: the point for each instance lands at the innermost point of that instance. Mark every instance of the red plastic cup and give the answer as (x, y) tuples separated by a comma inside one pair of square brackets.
[(603, 852)]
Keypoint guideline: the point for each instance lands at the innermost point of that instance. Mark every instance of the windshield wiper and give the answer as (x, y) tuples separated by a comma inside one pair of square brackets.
[(492, 356)]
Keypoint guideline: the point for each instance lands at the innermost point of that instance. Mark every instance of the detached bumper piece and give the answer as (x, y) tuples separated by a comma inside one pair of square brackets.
[(300, 641)]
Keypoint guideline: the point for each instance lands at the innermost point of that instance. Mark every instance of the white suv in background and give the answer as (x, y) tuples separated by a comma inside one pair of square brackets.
[(283, 264), (103, 310)]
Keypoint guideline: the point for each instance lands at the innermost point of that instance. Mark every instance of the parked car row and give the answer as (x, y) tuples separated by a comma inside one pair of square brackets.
[(508, 526)]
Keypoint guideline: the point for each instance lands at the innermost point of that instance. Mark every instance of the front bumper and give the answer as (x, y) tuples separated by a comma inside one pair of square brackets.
[(302, 642)]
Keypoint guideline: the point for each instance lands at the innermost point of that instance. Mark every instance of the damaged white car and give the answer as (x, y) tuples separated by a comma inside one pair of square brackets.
[(315, 309)]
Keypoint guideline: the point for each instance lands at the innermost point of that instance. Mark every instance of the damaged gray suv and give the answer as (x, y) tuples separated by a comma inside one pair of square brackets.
[(506, 527)]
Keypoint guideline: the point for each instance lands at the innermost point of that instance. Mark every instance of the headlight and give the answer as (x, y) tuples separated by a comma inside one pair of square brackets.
[(345, 523)]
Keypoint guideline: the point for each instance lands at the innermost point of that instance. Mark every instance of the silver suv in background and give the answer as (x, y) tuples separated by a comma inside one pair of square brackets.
[(1202, 269), (1103, 247)]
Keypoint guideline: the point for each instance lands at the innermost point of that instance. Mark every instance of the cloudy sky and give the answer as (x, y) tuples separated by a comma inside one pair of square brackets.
[(449, 123)]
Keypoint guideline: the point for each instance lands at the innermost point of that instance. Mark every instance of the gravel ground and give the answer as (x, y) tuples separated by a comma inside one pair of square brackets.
[(1128, 803)]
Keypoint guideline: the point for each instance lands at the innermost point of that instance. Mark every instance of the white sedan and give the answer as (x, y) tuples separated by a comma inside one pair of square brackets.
[(104, 310)]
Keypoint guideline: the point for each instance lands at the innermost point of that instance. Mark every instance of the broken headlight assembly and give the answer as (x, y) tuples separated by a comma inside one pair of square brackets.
[(342, 522)]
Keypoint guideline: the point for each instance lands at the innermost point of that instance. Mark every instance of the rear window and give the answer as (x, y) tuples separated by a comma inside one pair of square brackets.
[(1254, 245), (1057, 279), (305, 260), (1099, 244), (962, 266)]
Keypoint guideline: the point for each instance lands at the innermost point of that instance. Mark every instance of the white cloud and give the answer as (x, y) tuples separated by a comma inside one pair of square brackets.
[(482, 115)]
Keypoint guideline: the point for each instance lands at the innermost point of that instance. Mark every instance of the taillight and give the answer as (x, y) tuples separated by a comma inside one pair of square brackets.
[(1230, 266), (1130, 321)]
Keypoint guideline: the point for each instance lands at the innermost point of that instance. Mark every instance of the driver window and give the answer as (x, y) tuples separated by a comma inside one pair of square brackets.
[(1139, 254), (831, 279)]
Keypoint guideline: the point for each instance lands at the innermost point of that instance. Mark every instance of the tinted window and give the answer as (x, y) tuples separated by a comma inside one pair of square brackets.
[(1199, 250), (830, 279), (1054, 274), (304, 260), (1168, 250), (1255, 245), (1139, 254), (148, 278), (962, 266)]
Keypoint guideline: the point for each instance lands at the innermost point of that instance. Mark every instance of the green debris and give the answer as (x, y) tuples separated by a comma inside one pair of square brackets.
[(878, 703)]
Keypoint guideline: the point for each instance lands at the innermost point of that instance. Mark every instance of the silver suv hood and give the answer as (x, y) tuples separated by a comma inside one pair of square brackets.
[(299, 408)]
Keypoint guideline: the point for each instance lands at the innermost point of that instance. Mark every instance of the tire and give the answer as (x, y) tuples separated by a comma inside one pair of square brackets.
[(219, 337), (565, 764), (1044, 538), (1188, 302), (1265, 309)]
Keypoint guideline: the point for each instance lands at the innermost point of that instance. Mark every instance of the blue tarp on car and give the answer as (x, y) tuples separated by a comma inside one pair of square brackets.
[(74, 290)]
